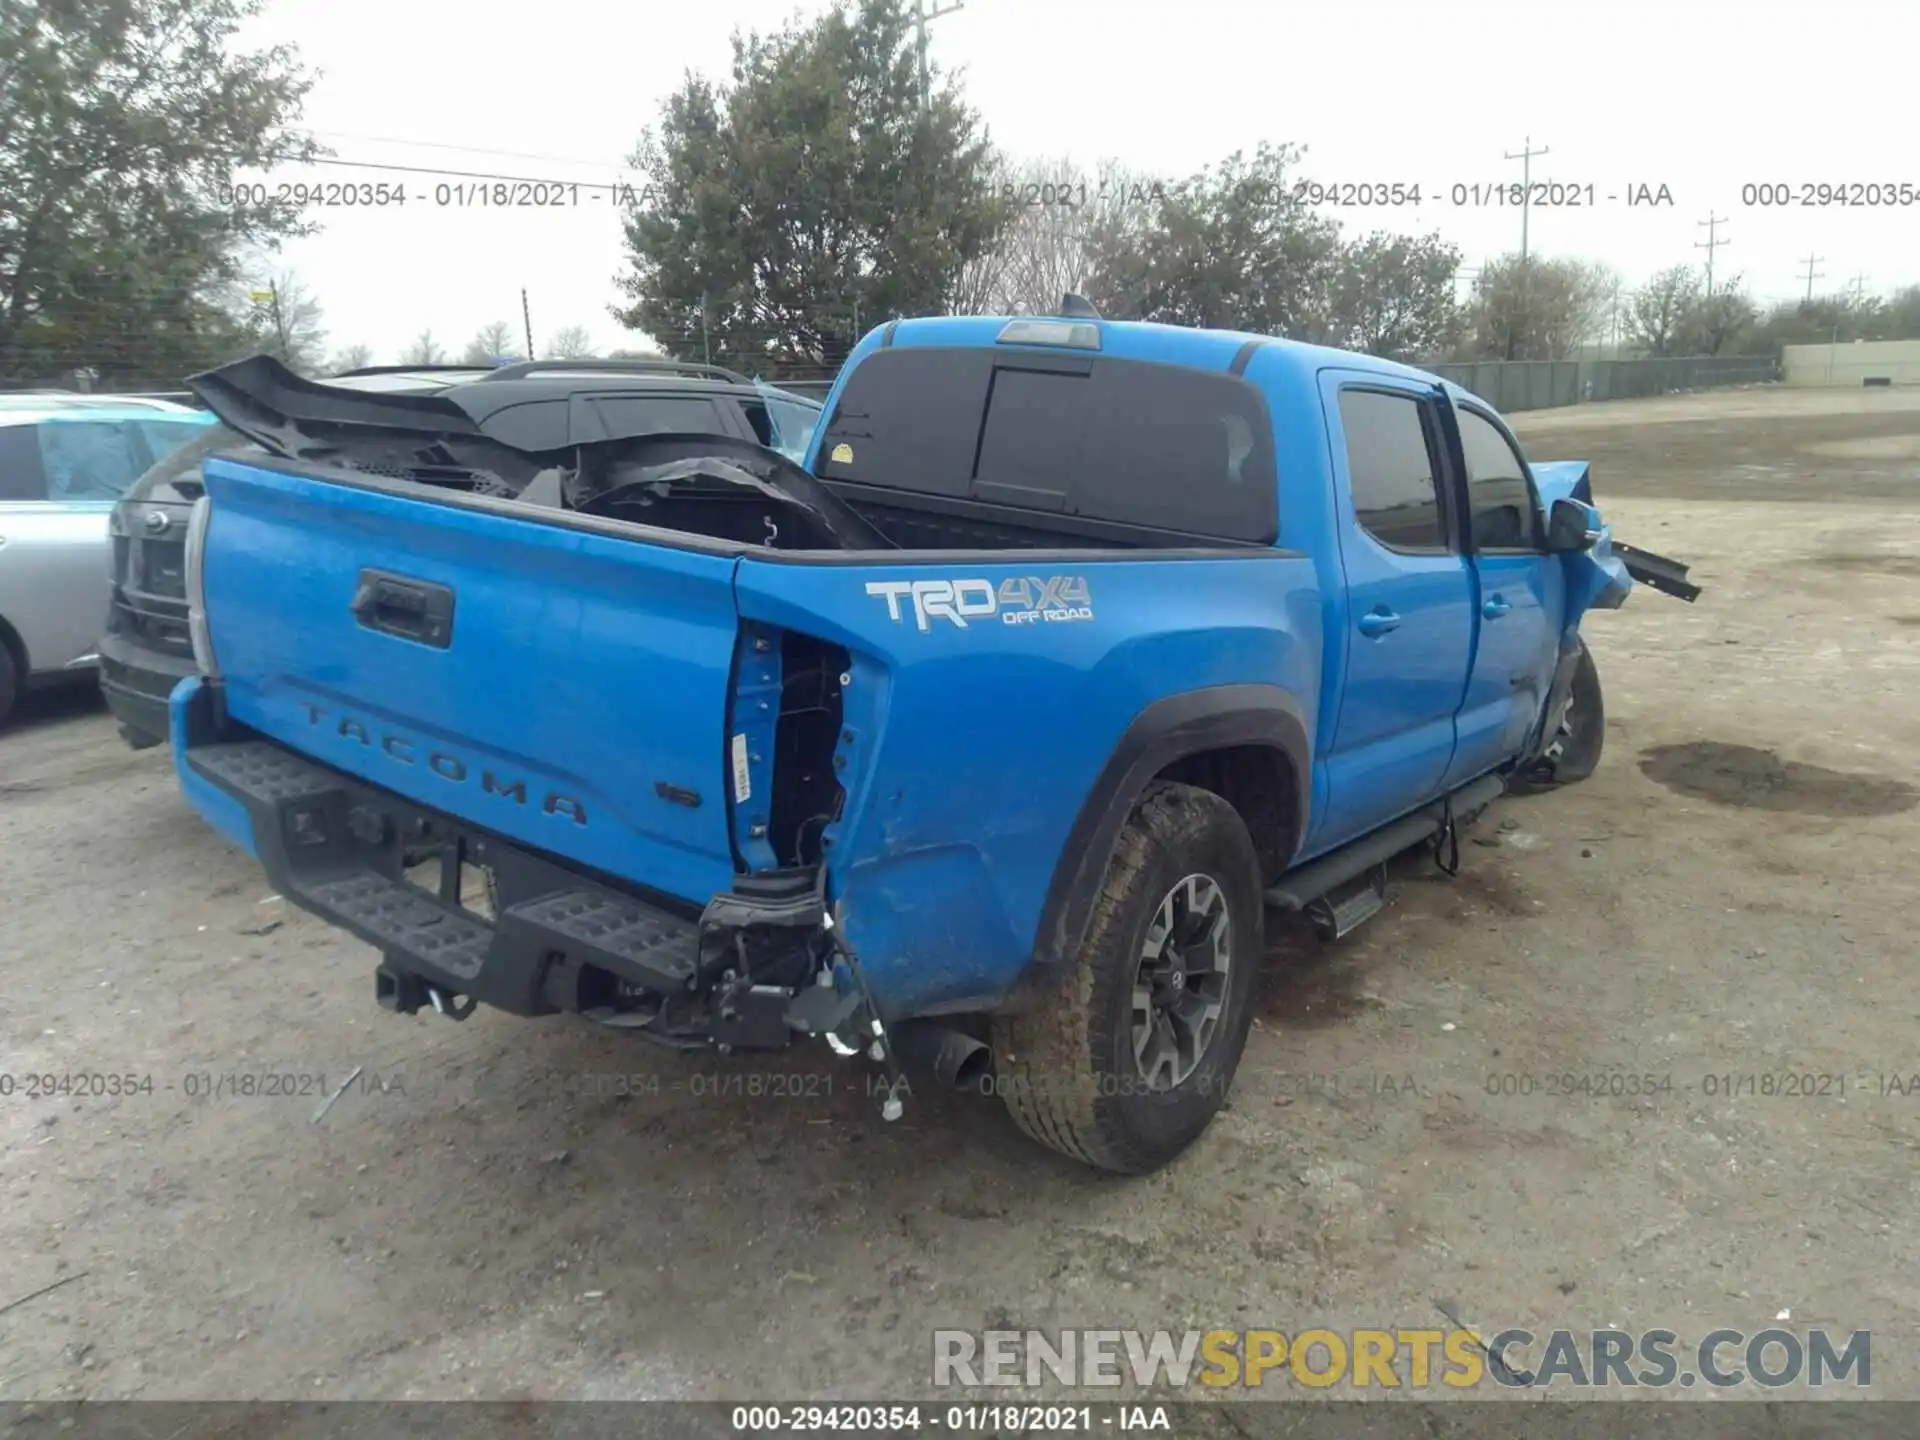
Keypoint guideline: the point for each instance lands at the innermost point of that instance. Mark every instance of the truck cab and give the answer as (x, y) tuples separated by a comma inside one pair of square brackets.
[(984, 741)]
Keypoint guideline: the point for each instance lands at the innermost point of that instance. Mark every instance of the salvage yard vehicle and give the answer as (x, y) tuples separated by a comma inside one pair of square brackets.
[(64, 460), (537, 405), (981, 743)]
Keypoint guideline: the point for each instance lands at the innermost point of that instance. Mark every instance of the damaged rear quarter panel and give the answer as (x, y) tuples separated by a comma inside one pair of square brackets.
[(975, 744)]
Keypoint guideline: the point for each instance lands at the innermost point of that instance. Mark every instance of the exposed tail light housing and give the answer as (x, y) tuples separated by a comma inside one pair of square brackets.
[(196, 585)]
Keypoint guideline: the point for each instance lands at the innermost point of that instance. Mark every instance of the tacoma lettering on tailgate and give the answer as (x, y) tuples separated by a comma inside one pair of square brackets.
[(444, 763)]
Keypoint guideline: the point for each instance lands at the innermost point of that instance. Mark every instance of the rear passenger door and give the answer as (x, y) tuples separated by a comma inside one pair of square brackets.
[(1518, 596), (1408, 602)]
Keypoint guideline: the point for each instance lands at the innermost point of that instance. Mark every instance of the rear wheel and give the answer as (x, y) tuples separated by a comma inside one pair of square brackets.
[(1127, 1062)]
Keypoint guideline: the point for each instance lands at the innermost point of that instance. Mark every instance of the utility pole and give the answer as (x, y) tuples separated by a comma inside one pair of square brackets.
[(1525, 157), (279, 321), (1859, 288), (1710, 244), (526, 320), (706, 341), (925, 12), (1812, 275)]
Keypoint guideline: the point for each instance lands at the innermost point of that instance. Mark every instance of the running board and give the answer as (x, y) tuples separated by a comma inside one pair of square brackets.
[(1298, 889)]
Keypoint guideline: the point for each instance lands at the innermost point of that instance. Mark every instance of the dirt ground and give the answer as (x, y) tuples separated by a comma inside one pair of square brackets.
[(1733, 895)]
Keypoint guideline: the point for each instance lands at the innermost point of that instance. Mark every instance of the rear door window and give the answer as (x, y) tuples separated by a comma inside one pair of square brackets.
[(1396, 497), (1157, 446), (626, 416), (90, 459)]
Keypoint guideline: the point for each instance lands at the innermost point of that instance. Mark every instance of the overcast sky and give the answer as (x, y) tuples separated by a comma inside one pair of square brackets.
[(1701, 97)]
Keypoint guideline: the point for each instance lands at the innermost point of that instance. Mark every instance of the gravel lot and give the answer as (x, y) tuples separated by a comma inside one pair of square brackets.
[(1733, 895)]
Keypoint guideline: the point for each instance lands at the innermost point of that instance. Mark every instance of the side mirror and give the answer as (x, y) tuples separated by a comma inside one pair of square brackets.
[(1571, 527)]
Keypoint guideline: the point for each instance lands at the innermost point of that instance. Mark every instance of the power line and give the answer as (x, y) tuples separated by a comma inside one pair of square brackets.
[(1812, 276), (925, 12), (1710, 244), (1525, 157), (459, 149)]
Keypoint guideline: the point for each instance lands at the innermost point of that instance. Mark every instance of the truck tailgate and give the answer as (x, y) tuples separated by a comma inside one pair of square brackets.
[(565, 688)]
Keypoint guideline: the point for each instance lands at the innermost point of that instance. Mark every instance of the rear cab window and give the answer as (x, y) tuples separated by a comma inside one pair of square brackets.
[(1131, 442)]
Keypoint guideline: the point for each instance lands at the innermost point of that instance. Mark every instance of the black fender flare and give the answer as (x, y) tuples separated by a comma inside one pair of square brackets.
[(1168, 730)]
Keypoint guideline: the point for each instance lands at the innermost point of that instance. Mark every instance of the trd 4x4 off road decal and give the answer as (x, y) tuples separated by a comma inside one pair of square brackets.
[(1021, 600)]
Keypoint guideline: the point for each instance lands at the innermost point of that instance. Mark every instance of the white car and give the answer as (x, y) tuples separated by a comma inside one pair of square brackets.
[(64, 461)]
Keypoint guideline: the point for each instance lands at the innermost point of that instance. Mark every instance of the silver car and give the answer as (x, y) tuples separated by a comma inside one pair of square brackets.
[(64, 461)]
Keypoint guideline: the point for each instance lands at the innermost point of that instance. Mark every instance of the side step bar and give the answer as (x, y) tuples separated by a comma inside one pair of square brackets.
[(1298, 889)]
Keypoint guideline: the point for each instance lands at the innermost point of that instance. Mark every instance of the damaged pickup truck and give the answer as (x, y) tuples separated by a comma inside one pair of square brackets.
[(984, 741)]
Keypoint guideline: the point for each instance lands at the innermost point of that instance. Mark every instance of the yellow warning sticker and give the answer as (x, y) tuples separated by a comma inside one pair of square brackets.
[(843, 454)]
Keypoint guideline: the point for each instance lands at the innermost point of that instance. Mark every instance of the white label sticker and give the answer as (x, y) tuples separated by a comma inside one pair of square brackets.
[(742, 777)]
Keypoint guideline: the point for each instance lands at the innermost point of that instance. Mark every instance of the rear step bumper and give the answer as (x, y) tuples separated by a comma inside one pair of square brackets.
[(556, 940)]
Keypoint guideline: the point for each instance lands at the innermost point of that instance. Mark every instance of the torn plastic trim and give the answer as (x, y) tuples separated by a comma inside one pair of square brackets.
[(630, 480), (428, 439), (288, 414)]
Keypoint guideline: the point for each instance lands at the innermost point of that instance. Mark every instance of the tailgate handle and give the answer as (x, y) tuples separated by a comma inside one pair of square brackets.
[(408, 609)]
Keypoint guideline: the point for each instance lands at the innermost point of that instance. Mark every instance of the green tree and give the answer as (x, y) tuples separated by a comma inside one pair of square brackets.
[(1900, 317), (1392, 295), (808, 197), (1227, 248), (120, 123)]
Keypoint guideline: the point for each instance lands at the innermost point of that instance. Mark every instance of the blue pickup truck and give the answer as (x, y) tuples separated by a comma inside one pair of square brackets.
[(981, 742)]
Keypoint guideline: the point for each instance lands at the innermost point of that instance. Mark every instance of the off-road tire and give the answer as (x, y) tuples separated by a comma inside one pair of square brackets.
[(1065, 1064)]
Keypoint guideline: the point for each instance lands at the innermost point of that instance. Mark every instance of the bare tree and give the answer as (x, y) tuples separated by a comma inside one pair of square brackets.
[(1542, 310), (424, 350), (491, 345), (570, 343), (1054, 215), (352, 357), (285, 322), (1658, 311)]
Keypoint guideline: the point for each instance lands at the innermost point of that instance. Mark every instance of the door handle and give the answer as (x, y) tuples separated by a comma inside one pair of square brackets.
[(1378, 622), (1495, 607)]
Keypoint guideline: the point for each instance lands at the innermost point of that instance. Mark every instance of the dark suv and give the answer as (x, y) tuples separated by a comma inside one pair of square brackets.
[(535, 405)]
